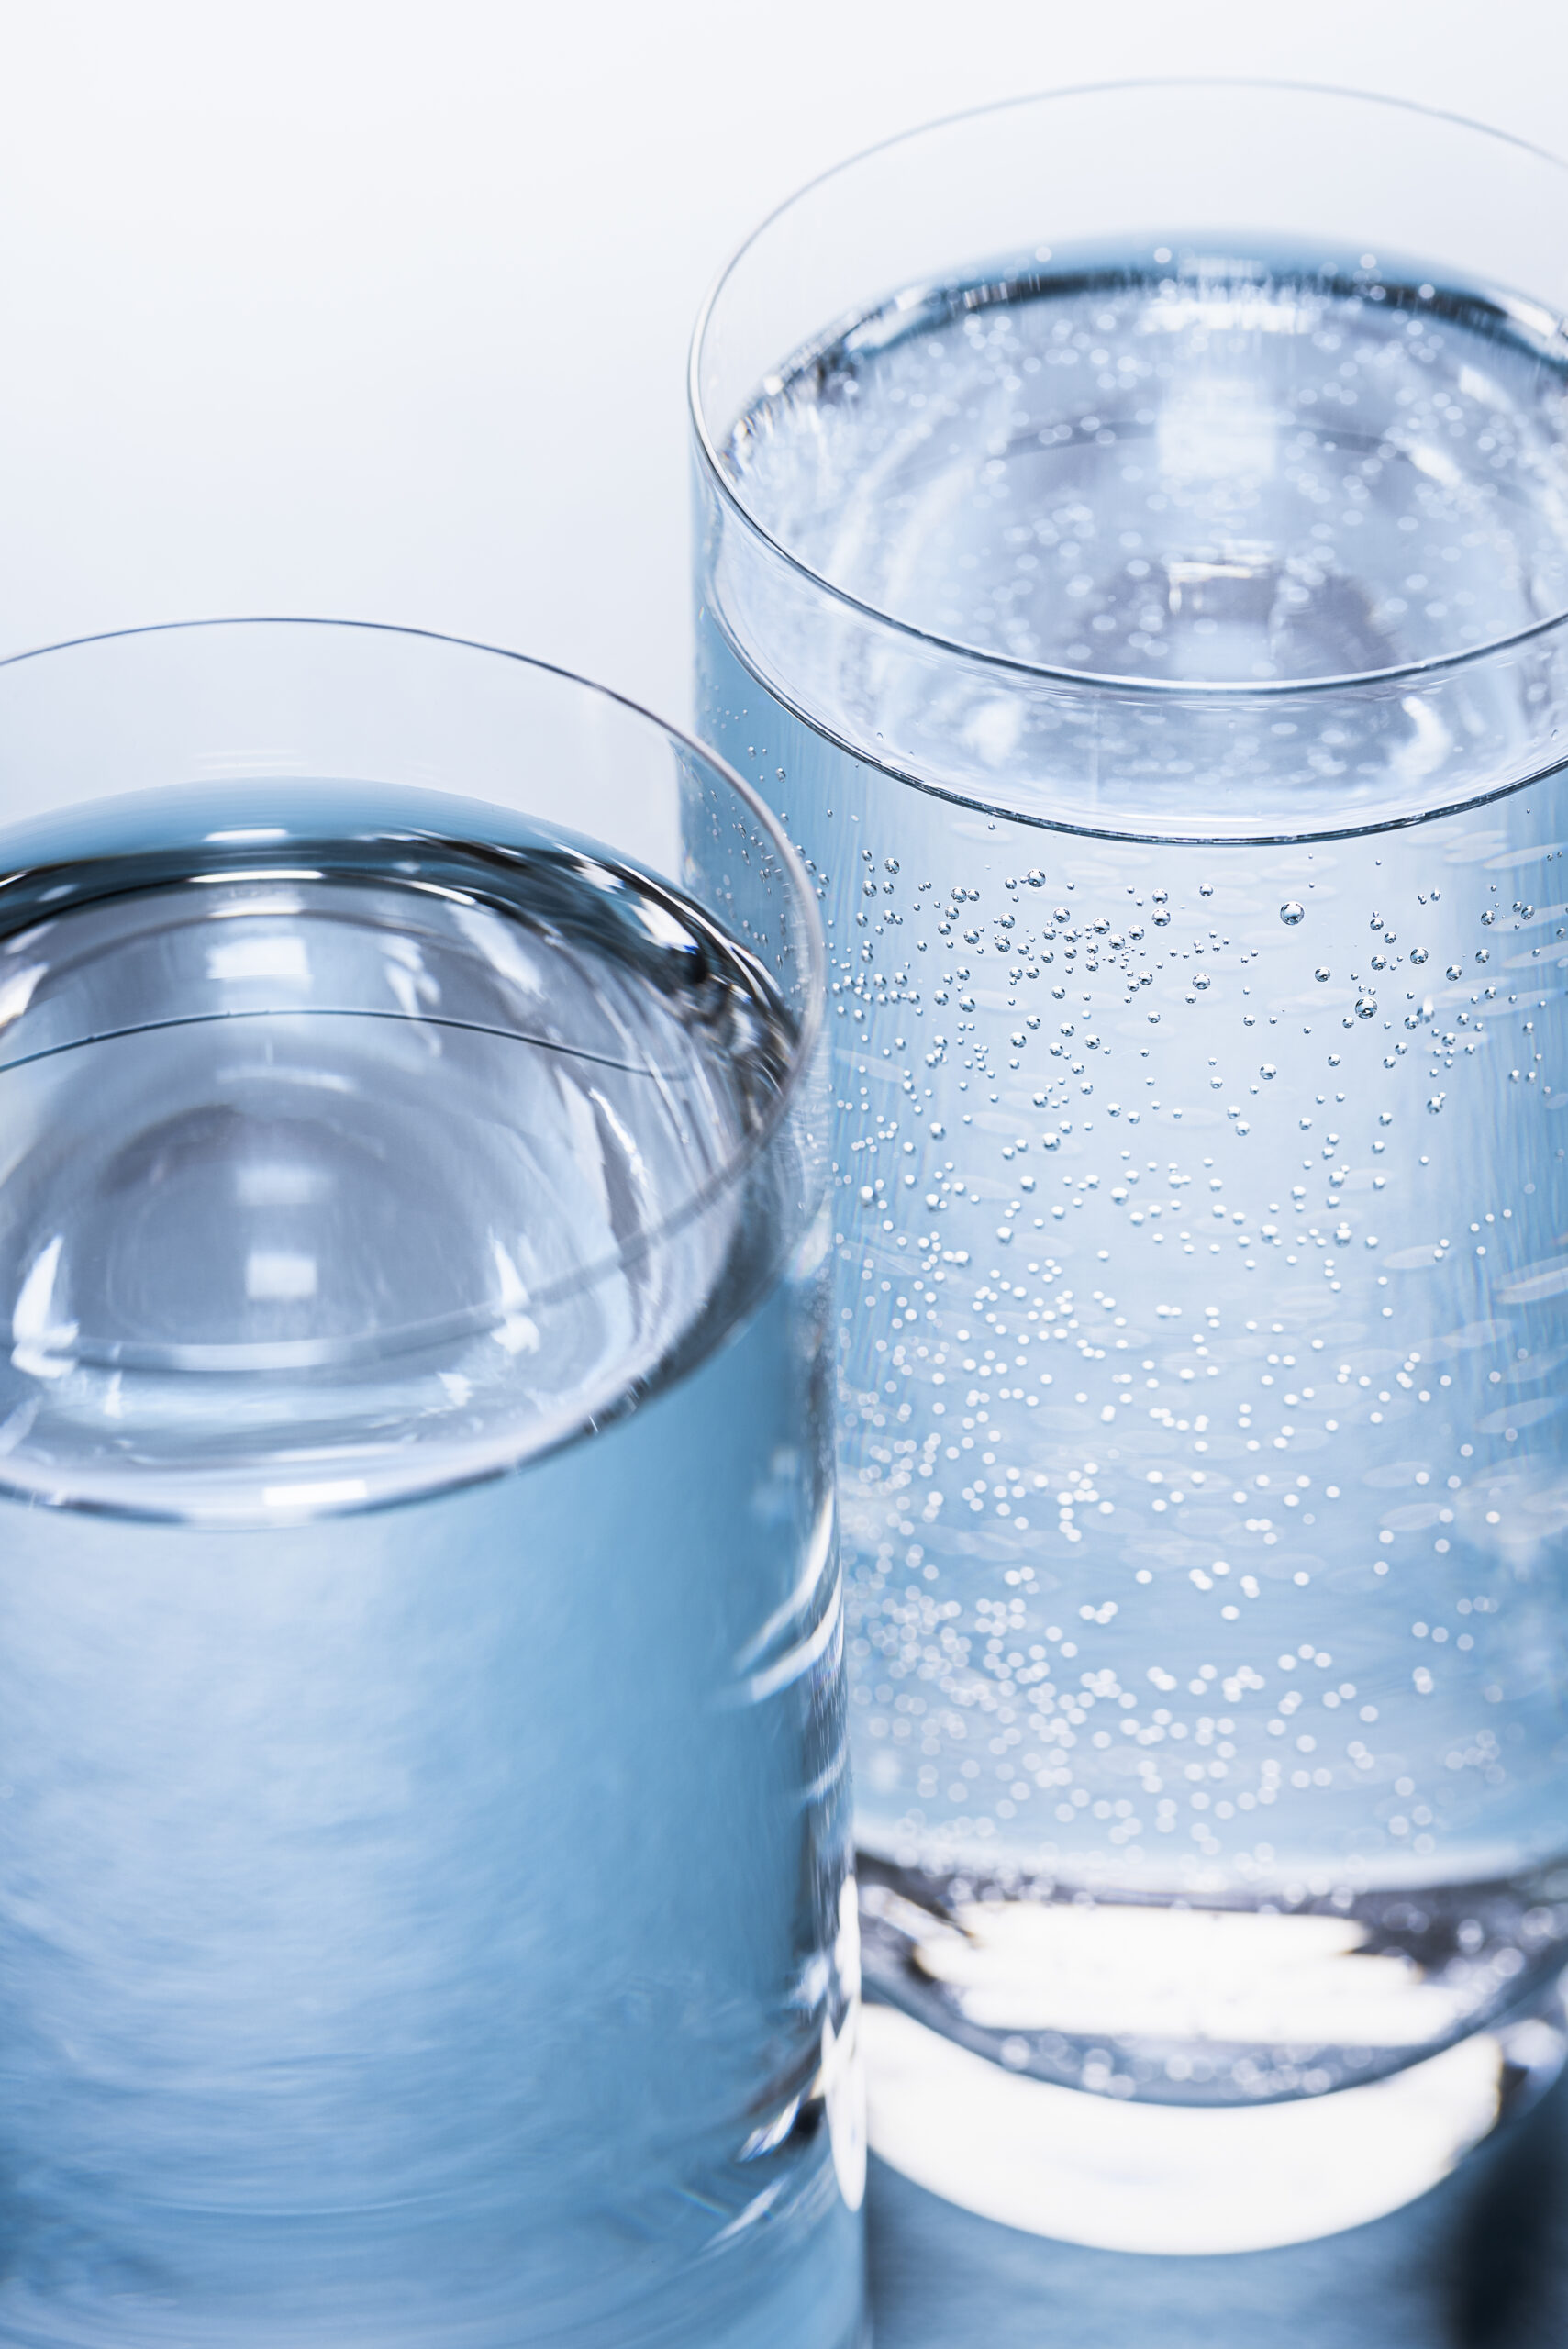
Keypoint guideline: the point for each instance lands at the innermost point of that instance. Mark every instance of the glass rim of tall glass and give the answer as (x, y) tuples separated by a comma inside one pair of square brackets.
[(718, 389), (36, 829)]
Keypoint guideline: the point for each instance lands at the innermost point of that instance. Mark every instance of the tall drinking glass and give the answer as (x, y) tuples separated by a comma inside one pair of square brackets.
[(425, 1909), (1133, 541)]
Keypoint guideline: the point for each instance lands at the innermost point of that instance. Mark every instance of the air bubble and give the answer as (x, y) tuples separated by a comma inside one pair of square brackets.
[(1291, 913), (1321, 973), (1435, 1102), (1206, 889), (1455, 971), (1366, 1007), (1418, 955), (1268, 1069), (1161, 920)]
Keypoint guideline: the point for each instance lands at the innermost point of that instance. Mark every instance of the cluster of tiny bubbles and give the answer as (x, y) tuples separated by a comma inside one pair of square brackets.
[(1031, 1450), (1141, 1528)]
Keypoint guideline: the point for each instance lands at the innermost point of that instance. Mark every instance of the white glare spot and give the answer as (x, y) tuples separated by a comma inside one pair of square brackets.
[(258, 958), (279, 1277)]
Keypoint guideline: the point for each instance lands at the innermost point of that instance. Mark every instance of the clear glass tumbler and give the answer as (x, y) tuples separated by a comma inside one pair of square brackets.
[(1133, 545), (425, 1909)]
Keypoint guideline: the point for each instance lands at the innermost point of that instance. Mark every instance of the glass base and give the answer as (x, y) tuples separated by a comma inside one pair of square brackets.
[(1156, 2076), (1121, 2175)]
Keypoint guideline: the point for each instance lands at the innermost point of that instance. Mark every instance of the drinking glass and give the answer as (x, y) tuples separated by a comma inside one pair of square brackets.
[(1133, 558), (424, 1871)]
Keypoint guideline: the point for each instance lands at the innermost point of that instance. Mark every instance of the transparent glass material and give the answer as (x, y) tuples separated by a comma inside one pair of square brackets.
[(425, 1895), (1133, 558)]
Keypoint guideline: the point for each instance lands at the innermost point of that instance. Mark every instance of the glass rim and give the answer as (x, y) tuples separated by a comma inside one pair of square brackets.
[(809, 1019), (1010, 665)]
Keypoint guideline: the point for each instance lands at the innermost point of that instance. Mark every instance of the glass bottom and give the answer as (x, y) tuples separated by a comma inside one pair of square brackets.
[(1158, 2076), (1188, 2180)]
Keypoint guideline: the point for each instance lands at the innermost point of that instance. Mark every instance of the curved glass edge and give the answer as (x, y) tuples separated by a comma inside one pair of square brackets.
[(987, 730), (129, 824), (753, 886), (708, 434), (999, 110), (1062, 753)]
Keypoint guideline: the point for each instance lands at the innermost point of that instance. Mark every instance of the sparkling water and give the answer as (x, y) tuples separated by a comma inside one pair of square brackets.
[(422, 1878), (1209, 468), (1200, 1207)]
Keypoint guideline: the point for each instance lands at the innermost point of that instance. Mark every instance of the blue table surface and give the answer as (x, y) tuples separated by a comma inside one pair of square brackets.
[(1480, 2263)]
